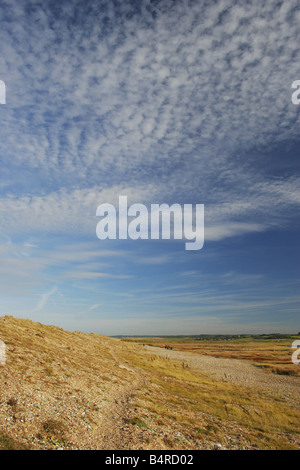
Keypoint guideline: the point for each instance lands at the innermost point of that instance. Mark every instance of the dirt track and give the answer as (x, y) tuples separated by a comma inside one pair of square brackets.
[(117, 412), (238, 372)]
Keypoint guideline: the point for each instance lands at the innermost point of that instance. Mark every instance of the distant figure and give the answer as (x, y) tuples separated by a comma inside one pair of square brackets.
[(2, 353)]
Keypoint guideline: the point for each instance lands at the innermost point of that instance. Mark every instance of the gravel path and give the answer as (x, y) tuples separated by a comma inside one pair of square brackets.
[(238, 372)]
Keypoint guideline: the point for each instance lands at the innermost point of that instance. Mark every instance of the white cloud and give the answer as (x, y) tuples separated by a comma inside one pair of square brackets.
[(44, 299), (162, 259), (177, 89), (231, 229), (94, 275)]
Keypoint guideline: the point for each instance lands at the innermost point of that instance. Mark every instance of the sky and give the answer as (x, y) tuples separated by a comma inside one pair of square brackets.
[(165, 102)]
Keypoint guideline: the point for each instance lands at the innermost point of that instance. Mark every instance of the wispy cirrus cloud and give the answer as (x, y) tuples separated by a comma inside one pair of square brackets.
[(44, 299)]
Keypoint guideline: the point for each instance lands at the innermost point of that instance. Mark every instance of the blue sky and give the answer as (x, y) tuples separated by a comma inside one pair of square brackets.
[(183, 102)]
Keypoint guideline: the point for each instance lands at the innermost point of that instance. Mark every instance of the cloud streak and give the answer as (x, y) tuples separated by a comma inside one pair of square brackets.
[(44, 299)]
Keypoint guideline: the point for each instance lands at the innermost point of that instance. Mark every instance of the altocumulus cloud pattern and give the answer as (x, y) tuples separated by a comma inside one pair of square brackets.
[(162, 102)]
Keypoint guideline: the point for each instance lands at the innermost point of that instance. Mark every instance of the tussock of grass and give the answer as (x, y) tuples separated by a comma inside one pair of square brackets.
[(8, 443), (138, 422), (53, 431)]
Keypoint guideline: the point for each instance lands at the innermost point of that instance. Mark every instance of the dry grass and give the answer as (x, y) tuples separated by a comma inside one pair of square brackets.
[(53, 376), (272, 355), (190, 398), (84, 391)]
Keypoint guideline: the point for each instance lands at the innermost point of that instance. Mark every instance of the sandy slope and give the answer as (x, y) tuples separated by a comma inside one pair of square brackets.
[(71, 390)]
